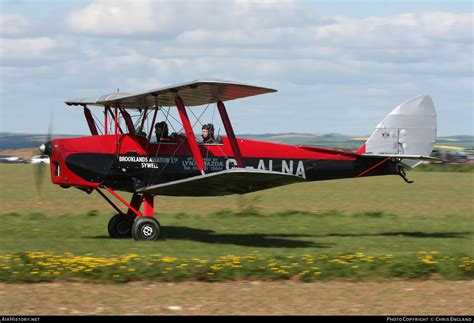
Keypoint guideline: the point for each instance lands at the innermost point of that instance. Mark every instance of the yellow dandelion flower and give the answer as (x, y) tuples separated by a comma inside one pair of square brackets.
[(169, 259)]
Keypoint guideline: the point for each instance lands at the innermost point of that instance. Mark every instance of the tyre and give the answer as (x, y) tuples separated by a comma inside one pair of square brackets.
[(120, 226), (146, 228)]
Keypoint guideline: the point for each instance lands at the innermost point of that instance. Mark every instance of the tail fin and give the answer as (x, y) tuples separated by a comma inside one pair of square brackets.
[(408, 131)]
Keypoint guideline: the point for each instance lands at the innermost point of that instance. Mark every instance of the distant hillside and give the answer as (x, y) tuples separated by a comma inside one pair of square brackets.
[(22, 140), (333, 140), (466, 142), (348, 142)]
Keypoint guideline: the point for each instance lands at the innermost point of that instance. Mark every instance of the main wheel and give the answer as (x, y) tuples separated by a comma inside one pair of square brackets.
[(120, 226), (146, 228)]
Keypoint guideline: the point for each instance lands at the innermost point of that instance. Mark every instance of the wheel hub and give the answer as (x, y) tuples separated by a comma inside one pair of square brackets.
[(123, 227), (147, 230)]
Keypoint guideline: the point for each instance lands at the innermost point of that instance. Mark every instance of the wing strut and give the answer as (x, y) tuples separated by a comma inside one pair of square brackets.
[(90, 121), (190, 134), (128, 121), (150, 133), (106, 121), (230, 134)]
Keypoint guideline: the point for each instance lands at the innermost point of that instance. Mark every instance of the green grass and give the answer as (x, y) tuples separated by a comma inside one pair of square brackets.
[(455, 168), (227, 245), (369, 228)]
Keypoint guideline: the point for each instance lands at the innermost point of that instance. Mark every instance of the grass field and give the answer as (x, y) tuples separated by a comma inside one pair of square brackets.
[(368, 228)]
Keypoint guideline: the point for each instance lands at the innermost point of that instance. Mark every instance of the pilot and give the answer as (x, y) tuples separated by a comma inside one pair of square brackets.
[(208, 134), (161, 129)]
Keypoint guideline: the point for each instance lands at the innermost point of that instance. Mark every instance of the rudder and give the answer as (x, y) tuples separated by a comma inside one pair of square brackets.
[(410, 129)]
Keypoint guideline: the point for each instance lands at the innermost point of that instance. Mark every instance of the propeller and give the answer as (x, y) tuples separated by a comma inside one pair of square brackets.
[(40, 168)]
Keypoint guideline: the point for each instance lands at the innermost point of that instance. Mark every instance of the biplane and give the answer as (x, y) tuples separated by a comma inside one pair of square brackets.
[(122, 153)]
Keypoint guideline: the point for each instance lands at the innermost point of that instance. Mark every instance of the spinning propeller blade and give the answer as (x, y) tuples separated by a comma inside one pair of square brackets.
[(39, 174), (40, 169)]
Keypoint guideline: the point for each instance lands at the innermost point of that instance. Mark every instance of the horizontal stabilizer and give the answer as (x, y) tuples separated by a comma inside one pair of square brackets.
[(399, 156), (227, 182)]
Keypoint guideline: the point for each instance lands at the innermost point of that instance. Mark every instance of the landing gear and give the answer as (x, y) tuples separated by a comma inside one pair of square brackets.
[(120, 226), (146, 228)]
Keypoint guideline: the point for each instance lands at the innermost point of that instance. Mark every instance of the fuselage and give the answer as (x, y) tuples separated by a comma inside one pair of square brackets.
[(127, 163)]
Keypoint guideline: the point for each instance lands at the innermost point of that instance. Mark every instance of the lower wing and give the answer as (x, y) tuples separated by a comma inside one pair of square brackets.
[(232, 181)]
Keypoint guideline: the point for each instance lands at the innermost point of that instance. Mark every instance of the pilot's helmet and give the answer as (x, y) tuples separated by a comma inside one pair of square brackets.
[(163, 126), (209, 127)]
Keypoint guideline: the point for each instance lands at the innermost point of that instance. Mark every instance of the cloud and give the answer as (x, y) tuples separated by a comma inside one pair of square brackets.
[(42, 51), (107, 17), (327, 67), (139, 18), (155, 18), (448, 26), (13, 25), (244, 6), (406, 31), (26, 48), (20, 26), (341, 50)]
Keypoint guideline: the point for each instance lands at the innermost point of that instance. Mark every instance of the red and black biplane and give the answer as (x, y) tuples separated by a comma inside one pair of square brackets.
[(122, 154)]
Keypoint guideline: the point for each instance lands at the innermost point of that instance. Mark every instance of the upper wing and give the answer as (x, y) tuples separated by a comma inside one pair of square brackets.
[(113, 97), (232, 181), (193, 93)]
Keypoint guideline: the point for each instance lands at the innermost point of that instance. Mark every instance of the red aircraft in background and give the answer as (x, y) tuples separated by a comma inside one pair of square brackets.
[(122, 154)]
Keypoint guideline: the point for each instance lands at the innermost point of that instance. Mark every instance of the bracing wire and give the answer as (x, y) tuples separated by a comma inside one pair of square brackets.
[(199, 118), (98, 122), (207, 148), (159, 145), (170, 115)]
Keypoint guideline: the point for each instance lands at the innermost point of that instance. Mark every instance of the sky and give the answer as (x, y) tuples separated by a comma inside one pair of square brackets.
[(338, 66)]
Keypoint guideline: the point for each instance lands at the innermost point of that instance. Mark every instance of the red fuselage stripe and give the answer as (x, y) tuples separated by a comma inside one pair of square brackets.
[(375, 166)]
